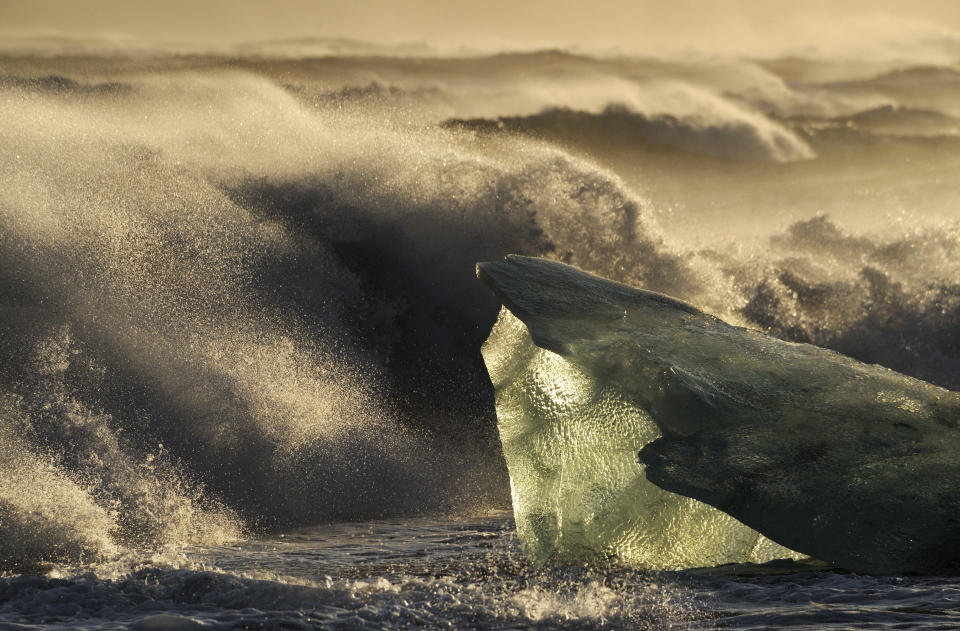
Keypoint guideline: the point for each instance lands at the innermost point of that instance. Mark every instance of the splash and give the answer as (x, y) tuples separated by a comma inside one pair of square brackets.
[(252, 315)]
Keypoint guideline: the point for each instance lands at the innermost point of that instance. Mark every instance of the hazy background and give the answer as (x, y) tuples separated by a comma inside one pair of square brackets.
[(859, 27)]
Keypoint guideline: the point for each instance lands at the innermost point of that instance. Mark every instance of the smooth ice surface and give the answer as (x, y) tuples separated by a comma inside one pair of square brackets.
[(571, 445), (851, 463)]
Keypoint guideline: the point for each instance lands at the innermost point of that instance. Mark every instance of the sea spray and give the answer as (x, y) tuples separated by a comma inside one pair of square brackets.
[(191, 303)]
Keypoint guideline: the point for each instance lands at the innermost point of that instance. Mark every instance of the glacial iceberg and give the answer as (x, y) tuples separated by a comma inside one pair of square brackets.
[(850, 463), (570, 442)]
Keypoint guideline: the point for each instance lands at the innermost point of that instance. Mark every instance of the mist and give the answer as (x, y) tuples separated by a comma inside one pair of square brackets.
[(751, 27)]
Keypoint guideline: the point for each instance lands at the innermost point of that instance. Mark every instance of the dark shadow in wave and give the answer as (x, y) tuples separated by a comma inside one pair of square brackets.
[(619, 125), (416, 309), (60, 85)]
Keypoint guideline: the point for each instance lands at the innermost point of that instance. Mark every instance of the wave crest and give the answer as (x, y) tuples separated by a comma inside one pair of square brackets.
[(258, 315)]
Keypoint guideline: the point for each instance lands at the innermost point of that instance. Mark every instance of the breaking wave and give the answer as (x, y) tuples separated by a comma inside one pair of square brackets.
[(888, 300), (742, 137), (235, 305), (258, 316)]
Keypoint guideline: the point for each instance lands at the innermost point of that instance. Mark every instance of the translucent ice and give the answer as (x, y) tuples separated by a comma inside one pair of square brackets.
[(571, 442), (851, 463)]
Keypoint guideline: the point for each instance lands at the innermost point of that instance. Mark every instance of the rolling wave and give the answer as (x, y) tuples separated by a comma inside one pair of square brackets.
[(745, 138)]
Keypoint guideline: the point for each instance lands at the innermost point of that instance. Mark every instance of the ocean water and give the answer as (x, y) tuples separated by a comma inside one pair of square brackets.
[(451, 572), (240, 378)]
